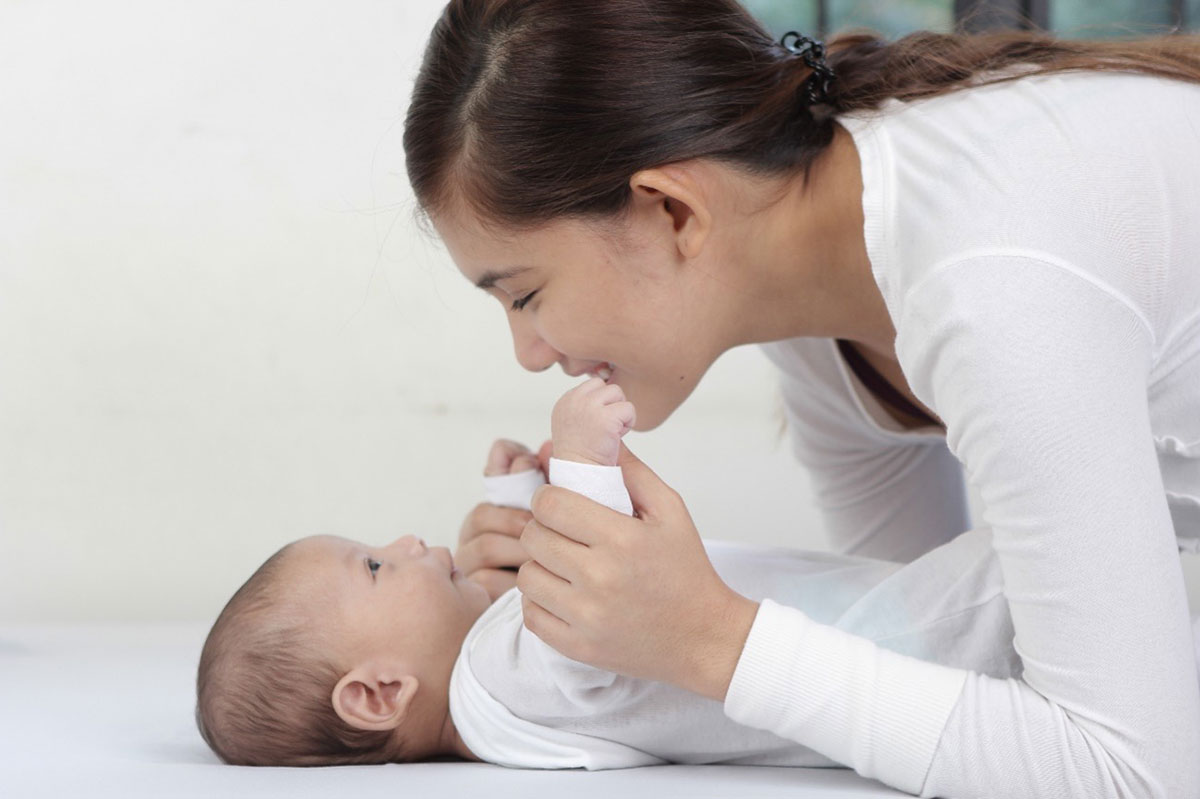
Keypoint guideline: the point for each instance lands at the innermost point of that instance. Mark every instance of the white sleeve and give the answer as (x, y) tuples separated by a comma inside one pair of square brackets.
[(1040, 376), (512, 490), (582, 684), (880, 497), (604, 484)]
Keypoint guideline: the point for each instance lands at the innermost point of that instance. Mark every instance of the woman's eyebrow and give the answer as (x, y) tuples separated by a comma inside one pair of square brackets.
[(491, 277)]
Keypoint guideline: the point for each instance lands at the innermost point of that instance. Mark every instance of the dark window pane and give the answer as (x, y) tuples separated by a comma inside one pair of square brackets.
[(1101, 19), (892, 18), (781, 16), (1192, 15)]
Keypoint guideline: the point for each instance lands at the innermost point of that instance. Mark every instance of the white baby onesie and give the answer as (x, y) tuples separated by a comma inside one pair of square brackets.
[(517, 702)]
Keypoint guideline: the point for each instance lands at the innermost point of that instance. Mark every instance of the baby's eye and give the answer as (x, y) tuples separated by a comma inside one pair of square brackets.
[(373, 566)]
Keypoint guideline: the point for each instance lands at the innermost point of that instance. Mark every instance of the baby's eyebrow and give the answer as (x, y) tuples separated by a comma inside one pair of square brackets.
[(491, 277)]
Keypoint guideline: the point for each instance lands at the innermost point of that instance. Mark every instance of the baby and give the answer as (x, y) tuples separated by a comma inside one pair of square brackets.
[(335, 652)]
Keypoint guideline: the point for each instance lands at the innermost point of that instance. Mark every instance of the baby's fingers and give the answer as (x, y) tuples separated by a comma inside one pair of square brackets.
[(490, 551), (501, 455), (610, 394), (488, 518), (524, 463), (625, 414), (495, 581)]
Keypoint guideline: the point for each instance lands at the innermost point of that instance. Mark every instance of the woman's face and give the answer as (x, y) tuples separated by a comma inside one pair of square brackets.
[(586, 296)]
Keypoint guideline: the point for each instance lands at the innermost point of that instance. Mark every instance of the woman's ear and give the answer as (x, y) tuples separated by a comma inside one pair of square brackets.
[(370, 698), (672, 199)]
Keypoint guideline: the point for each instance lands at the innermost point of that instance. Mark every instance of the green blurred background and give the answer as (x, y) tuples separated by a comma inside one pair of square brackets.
[(1069, 18)]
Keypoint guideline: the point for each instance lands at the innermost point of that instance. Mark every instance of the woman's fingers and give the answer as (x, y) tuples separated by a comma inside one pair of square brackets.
[(553, 552), (495, 581), (489, 551)]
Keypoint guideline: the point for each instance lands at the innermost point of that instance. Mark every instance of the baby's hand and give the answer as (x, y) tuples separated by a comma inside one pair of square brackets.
[(509, 457), (588, 421)]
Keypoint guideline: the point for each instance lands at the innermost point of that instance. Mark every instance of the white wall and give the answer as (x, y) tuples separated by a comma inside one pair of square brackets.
[(220, 328)]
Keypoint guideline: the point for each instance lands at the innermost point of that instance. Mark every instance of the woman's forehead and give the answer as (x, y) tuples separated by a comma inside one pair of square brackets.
[(497, 246)]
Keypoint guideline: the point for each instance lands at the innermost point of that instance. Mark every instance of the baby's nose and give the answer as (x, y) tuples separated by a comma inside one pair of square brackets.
[(410, 542)]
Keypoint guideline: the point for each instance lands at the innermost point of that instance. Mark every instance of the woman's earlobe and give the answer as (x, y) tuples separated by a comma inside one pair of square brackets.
[(368, 701), (691, 227), (677, 192)]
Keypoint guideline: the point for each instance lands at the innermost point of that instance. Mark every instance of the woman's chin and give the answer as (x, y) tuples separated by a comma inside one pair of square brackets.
[(649, 418)]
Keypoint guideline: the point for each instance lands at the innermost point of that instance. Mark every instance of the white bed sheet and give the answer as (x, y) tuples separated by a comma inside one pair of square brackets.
[(105, 710)]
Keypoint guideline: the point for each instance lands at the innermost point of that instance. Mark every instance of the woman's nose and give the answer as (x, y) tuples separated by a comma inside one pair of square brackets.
[(532, 352)]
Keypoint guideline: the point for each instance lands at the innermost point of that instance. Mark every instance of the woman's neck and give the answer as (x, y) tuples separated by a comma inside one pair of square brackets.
[(811, 260)]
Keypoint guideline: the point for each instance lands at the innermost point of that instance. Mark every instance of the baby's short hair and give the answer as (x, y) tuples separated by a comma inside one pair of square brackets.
[(263, 691)]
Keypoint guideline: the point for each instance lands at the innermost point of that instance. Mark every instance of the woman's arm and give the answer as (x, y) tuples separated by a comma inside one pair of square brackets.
[(1040, 376), (880, 495)]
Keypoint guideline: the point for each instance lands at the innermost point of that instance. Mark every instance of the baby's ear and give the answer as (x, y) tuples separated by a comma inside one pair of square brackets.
[(369, 699)]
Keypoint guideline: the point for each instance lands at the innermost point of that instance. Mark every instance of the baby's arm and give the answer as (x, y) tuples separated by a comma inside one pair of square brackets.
[(588, 421), (587, 424), (511, 475)]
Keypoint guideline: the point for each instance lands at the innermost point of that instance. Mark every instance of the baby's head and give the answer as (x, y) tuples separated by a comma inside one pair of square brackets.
[(334, 652)]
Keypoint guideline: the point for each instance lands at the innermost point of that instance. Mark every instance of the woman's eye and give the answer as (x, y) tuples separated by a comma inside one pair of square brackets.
[(523, 301), (373, 566)]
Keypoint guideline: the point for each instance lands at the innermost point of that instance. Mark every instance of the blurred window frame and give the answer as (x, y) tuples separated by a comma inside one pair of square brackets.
[(1022, 14)]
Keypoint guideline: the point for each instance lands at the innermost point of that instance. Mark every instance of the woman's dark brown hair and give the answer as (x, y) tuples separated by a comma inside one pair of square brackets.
[(527, 110)]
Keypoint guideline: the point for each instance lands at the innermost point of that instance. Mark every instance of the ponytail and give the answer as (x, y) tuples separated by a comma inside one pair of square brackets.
[(529, 110)]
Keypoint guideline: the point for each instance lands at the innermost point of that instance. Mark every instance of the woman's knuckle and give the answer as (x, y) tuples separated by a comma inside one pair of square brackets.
[(674, 498), (603, 580), (592, 616)]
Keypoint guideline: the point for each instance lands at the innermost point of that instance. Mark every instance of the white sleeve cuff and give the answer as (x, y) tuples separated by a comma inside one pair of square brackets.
[(877, 711), (604, 484), (512, 490)]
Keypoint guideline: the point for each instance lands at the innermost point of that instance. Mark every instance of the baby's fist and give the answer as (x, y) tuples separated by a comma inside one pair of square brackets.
[(588, 421), (509, 457)]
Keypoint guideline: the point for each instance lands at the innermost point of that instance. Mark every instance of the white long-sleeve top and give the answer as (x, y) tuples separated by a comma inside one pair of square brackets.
[(1037, 243), (517, 702)]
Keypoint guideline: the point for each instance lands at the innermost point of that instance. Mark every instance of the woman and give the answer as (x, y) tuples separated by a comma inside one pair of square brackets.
[(958, 249)]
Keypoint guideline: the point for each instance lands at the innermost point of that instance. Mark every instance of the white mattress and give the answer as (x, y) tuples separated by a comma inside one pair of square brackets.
[(105, 710)]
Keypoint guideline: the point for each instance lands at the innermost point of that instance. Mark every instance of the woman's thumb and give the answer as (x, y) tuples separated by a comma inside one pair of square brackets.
[(543, 456), (640, 480)]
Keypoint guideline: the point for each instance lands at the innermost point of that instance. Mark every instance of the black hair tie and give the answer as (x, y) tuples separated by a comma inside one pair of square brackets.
[(813, 53)]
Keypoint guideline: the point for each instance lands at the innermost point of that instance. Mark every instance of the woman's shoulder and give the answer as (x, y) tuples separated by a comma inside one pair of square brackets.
[(1039, 164)]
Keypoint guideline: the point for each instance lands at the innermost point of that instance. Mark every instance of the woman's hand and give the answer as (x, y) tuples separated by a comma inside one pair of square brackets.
[(635, 595), (489, 551)]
